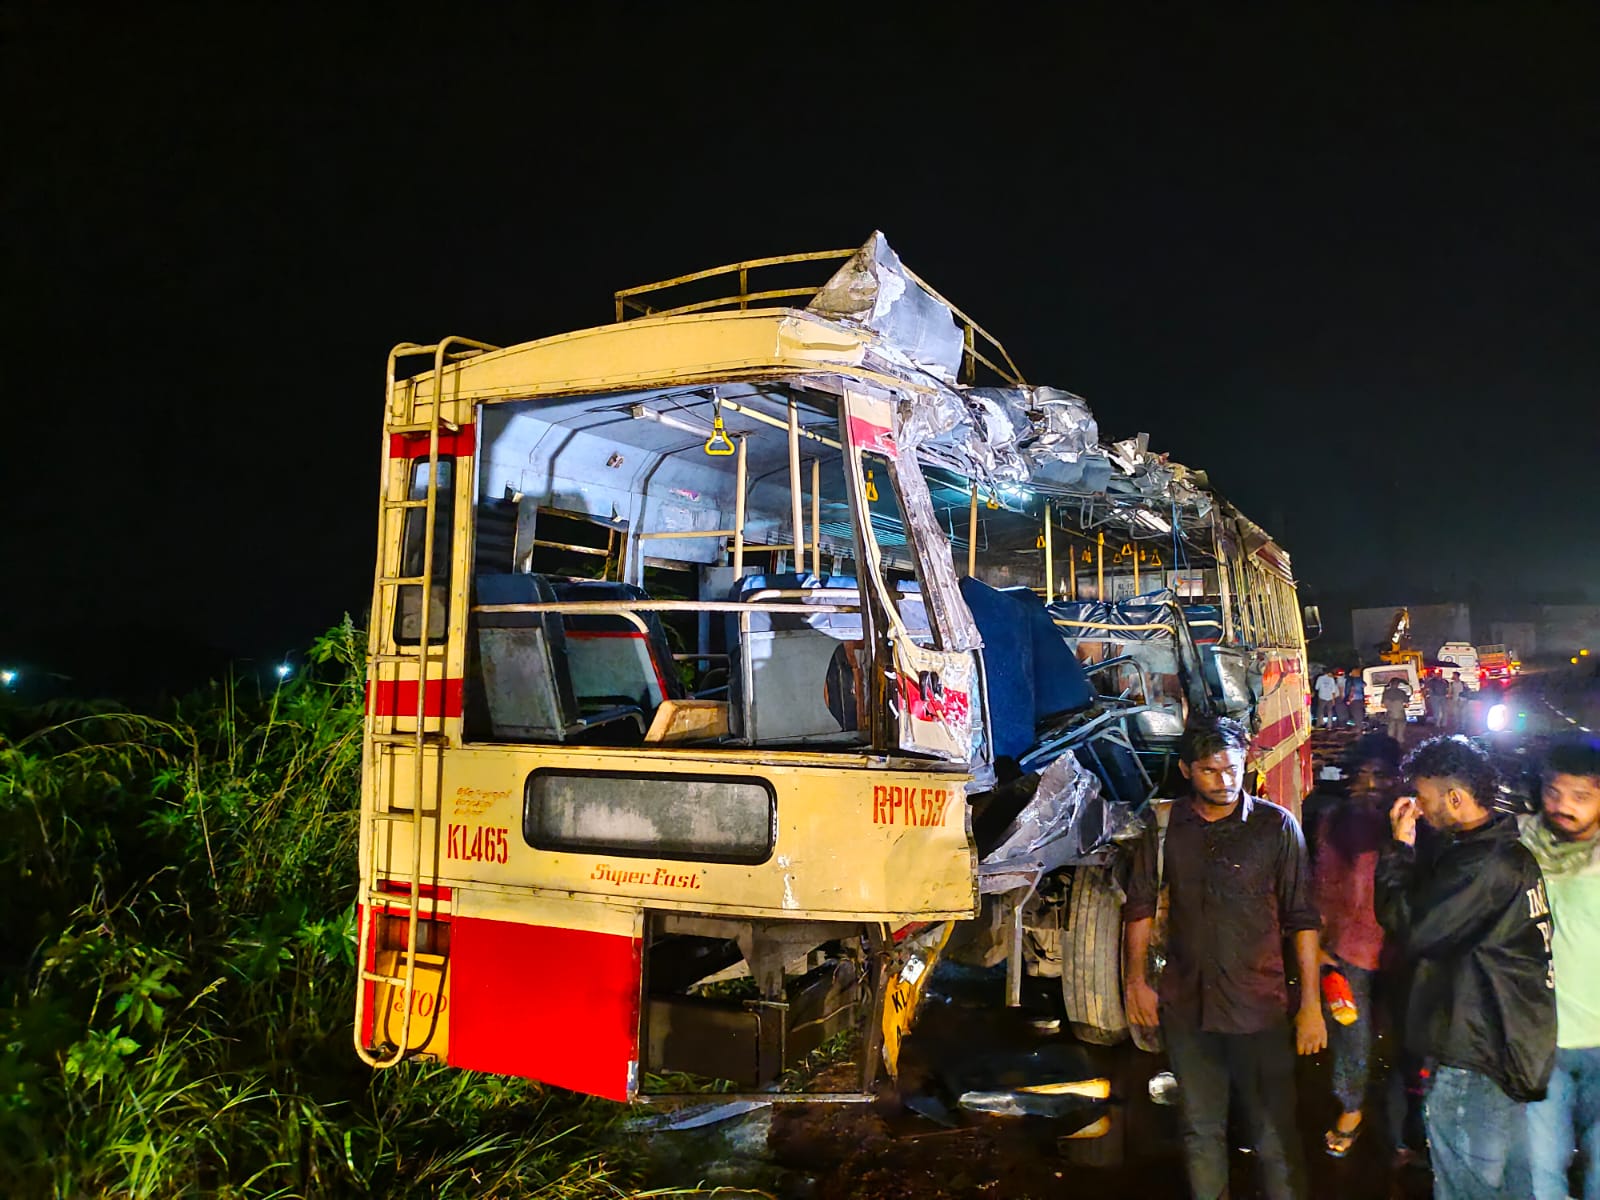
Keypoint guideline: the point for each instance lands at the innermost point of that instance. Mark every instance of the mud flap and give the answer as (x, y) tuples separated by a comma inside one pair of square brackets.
[(429, 1033)]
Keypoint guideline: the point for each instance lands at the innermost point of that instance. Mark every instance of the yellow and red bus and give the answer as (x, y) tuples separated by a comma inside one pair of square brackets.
[(739, 638)]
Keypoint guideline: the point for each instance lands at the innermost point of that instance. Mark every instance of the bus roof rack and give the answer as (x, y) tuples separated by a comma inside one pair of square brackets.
[(665, 298)]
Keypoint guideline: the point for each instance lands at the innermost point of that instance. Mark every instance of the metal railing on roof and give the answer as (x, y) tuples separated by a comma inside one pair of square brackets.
[(629, 304)]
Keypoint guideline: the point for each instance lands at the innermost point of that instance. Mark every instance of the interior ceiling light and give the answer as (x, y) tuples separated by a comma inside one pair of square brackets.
[(1150, 520), (640, 412)]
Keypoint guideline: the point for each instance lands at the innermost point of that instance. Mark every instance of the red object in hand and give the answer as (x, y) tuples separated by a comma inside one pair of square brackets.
[(1337, 995)]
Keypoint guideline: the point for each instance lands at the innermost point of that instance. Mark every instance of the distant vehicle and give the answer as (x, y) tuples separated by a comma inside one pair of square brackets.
[(1494, 662), (1462, 657), (1377, 678)]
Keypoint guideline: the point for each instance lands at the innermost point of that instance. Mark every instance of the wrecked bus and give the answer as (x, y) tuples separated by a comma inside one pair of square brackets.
[(779, 634)]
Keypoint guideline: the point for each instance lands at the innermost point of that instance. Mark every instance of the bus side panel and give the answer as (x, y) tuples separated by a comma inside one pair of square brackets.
[(1283, 783), (1283, 745), (552, 1004)]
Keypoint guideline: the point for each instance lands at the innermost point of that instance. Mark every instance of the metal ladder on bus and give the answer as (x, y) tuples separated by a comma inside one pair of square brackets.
[(380, 743)]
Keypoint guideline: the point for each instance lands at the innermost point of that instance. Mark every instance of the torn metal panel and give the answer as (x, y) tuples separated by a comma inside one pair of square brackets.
[(941, 591), (923, 419), (1129, 453), (1066, 818), (874, 291), (1000, 426), (1046, 437), (1064, 429), (1023, 1102)]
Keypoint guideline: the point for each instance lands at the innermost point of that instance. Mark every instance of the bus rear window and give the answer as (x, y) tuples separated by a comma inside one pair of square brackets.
[(651, 815)]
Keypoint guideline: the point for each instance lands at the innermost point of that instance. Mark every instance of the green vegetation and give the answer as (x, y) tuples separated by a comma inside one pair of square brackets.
[(177, 970)]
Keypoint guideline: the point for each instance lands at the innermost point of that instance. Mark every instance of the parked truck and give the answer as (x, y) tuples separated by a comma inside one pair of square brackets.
[(1495, 663)]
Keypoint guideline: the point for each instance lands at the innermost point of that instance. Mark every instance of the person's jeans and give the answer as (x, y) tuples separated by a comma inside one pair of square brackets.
[(1569, 1116), (1352, 1044), (1477, 1138), (1324, 711), (1259, 1069)]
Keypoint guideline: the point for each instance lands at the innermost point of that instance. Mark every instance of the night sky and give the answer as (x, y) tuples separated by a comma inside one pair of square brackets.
[(1346, 260)]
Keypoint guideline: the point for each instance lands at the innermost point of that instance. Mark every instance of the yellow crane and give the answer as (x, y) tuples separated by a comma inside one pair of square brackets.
[(1399, 649)]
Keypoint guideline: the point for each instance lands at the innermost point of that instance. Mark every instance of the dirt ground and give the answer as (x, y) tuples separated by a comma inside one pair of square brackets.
[(885, 1151), (889, 1150)]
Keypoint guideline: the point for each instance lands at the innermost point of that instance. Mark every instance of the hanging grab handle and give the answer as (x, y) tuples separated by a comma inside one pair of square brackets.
[(719, 443), (871, 489)]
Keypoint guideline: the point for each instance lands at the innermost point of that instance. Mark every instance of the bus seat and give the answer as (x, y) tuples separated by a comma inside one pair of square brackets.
[(1205, 622), (1114, 762), (1154, 629), (780, 664), (1228, 675), (609, 659), (526, 681), (842, 626), (1030, 673), (1060, 683)]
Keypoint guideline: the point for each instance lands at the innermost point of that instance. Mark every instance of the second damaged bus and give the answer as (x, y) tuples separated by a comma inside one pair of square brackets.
[(743, 637)]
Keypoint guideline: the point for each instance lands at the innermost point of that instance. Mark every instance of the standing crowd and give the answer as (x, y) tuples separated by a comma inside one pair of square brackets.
[(1341, 700), (1472, 933)]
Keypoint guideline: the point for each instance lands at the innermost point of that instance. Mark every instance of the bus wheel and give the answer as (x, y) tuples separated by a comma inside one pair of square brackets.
[(1091, 972)]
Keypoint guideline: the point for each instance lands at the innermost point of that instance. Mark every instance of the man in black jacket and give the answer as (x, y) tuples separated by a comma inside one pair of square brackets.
[(1468, 913)]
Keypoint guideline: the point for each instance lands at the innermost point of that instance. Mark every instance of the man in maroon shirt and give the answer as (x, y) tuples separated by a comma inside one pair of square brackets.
[(1347, 839), (1236, 866)]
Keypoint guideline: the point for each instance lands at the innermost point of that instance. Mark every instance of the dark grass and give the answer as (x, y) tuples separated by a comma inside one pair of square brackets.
[(177, 970)]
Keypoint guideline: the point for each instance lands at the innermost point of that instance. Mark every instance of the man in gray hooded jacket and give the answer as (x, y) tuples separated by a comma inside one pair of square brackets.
[(1565, 837)]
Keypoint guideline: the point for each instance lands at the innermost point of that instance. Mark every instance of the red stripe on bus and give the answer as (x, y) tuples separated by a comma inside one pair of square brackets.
[(429, 891), (870, 436), (457, 443), (1279, 731), (398, 698), (557, 1005), (369, 1002), (1282, 784)]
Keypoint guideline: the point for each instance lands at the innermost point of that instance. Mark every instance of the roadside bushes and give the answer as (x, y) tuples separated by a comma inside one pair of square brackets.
[(177, 969)]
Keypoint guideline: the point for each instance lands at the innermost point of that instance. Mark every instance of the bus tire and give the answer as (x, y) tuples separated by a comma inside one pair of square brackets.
[(1091, 971)]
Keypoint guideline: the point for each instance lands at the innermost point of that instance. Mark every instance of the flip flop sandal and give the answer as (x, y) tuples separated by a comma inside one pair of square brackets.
[(1340, 1143)]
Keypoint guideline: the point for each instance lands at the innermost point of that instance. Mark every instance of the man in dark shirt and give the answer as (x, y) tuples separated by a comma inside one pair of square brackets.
[(1236, 866)]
